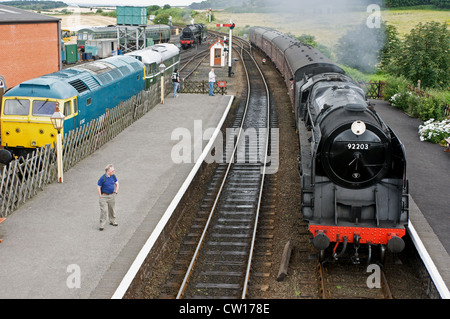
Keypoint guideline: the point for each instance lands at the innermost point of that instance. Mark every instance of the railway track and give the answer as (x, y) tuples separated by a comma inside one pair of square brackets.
[(189, 62), (191, 59), (220, 255), (215, 258), (349, 281)]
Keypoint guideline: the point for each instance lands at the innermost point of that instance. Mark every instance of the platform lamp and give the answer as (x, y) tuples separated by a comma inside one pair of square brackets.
[(58, 122), (162, 69)]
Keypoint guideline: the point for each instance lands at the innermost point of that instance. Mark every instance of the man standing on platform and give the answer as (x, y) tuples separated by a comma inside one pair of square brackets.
[(107, 188), (175, 82), (212, 79)]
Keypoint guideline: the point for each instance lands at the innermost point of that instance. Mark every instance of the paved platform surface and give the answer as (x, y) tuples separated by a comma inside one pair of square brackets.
[(428, 171), (52, 246)]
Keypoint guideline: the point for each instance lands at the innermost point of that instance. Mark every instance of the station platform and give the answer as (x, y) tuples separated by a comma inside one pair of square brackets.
[(427, 169), (52, 246)]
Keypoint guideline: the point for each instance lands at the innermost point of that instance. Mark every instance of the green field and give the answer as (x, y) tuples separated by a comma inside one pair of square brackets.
[(328, 28)]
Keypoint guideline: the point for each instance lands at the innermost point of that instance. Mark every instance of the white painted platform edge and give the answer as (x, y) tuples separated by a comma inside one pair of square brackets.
[(429, 264), (136, 265)]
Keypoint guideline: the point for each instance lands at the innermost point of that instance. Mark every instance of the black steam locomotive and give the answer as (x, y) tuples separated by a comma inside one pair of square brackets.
[(352, 165), (193, 34)]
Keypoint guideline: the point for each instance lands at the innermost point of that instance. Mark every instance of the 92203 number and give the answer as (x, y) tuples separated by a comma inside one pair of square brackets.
[(358, 146)]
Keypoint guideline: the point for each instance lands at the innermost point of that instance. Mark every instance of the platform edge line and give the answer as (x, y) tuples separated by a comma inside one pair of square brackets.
[(145, 250)]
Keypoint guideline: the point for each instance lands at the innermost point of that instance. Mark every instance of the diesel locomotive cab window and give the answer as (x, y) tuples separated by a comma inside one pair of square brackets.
[(17, 107), (75, 106), (43, 108), (67, 110)]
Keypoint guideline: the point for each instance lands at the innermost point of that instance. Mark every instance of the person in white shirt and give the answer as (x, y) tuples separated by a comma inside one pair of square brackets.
[(212, 79)]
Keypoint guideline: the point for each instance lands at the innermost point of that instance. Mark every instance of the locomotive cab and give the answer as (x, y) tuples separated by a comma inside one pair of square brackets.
[(25, 121)]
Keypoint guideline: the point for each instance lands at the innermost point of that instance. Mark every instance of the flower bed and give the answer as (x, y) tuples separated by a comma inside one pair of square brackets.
[(435, 131)]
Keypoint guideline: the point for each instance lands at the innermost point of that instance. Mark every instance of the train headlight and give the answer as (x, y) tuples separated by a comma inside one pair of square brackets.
[(358, 128)]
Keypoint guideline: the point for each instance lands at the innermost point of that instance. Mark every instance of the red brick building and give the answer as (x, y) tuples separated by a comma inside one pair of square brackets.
[(30, 45)]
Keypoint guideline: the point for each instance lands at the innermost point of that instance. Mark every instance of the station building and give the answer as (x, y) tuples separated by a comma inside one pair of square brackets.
[(30, 45)]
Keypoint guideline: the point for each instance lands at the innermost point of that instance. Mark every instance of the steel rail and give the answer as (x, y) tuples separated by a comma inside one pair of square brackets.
[(247, 275), (219, 194), (211, 214)]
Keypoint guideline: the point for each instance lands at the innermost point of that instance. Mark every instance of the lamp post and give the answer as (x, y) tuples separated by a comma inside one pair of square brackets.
[(58, 122), (162, 69)]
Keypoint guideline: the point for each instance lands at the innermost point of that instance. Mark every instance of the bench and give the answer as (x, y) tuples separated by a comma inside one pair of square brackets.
[(448, 144), (1, 221)]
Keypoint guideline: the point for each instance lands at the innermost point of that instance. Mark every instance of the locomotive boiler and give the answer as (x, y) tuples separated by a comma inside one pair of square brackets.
[(352, 166)]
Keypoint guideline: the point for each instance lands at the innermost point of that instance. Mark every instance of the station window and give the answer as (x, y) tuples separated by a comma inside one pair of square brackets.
[(88, 102)]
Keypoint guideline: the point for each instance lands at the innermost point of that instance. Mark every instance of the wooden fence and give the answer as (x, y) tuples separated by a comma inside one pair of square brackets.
[(22, 178), (374, 90)]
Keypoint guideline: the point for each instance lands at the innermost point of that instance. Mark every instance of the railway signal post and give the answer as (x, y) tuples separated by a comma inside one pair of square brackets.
[(230, 25)]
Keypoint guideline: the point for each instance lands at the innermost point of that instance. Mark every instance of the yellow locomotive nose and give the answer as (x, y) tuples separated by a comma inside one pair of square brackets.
[(33, 134)]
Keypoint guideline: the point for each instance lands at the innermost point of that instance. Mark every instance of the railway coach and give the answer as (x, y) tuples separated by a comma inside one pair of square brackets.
[(152, 57), (352, 166), (82, 93)]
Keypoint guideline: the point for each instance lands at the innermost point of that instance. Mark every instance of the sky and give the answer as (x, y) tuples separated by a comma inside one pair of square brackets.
[(132, 2)]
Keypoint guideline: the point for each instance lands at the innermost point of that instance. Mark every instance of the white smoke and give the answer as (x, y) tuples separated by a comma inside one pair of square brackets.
[(328, 21)]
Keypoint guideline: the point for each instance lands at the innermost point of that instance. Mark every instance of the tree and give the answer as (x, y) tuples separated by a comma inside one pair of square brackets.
[(161, 18), (444, 4), (391, 47), (425, 55)]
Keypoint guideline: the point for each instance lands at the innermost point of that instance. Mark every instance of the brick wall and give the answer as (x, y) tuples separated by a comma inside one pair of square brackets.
[(27, 51)]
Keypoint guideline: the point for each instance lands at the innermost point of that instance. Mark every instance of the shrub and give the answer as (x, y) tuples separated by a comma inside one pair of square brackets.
[(418, 103), (395, 85), (401, 100)]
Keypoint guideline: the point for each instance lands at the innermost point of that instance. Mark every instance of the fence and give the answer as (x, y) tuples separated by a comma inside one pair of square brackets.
[(201, 87), (374, 90), (22, 178)]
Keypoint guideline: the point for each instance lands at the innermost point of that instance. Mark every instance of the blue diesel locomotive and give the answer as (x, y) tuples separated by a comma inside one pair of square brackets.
[(82, 93)]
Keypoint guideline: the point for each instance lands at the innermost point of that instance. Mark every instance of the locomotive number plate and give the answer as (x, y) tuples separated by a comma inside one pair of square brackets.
[(358, 146)]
